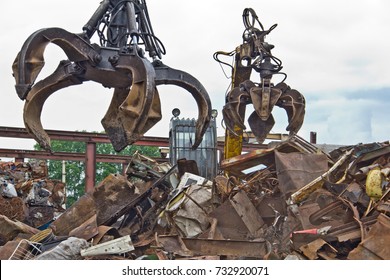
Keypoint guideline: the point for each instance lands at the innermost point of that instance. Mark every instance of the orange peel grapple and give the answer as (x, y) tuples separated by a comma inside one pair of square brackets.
[(118, 61), (255, 54)]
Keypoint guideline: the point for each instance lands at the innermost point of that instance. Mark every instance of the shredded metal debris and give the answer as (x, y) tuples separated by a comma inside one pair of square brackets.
[(299, 203)]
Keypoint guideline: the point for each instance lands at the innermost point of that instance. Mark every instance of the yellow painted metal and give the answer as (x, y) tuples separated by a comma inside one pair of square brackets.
[(374, 183), (233, 143), (240, 73)]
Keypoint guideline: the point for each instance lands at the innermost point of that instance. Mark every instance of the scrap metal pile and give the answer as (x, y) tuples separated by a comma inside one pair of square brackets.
[(289, 201), (28, 195)]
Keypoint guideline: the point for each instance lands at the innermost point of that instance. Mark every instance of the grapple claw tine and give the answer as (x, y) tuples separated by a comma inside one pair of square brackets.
[(231, 119), (282, 86), (112, 122), (154, 115), (298, 101), (294, 104), (133, 111), (234, 109), (37, 97), (169, 76), (260, 127), (30, 60), (115, 122)]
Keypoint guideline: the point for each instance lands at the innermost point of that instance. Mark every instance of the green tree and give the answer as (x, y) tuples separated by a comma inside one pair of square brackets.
[(75, 175)]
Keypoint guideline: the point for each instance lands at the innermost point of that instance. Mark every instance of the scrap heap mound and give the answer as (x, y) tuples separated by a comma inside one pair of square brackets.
[(289, 201)]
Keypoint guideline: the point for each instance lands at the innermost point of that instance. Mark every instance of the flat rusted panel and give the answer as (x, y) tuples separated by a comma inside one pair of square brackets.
[(247, 212), (268, 205), (242, 248), (229, 223), (10, 229), (82, 210), (87, 230), (376, 245), (295, 170), (107, 200), (112, 195), (236, 165)]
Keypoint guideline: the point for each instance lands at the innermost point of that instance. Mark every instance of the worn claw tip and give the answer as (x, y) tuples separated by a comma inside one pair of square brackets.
[(22, 90)]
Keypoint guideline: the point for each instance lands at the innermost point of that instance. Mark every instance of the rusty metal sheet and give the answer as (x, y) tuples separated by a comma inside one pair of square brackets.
[(112, 195), (305, 191), (10, 229), (7, 250), (39, 215), (87, 230), (376, 245), (82, 210), (295, 170), (12, 208), (238, 164), (247, 212), (318, 248), (241, 248), (173, 244), (270, 207), (110, 199), (229, 224)]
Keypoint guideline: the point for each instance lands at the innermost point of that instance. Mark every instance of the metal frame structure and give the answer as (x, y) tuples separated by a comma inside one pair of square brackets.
[(90, 157)]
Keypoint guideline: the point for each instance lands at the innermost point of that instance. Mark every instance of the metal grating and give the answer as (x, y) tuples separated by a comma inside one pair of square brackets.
[(26, 250)]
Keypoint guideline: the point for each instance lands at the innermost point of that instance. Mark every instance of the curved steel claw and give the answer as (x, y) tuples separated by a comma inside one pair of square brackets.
[(170, 76), (30, 61), (35, 99), (294, 103), (126, 124), (234, 109), (263, 99), (135, 106)]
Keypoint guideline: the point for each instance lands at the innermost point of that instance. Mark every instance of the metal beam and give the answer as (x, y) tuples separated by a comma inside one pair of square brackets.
[(21, 154), (90, 166), (17, 132)]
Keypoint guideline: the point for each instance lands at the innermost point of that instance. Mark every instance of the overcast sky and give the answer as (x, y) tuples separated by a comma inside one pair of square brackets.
[(336, 53)]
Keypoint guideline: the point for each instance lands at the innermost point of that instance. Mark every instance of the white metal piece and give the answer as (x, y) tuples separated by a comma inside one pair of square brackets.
[(116, 246)]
